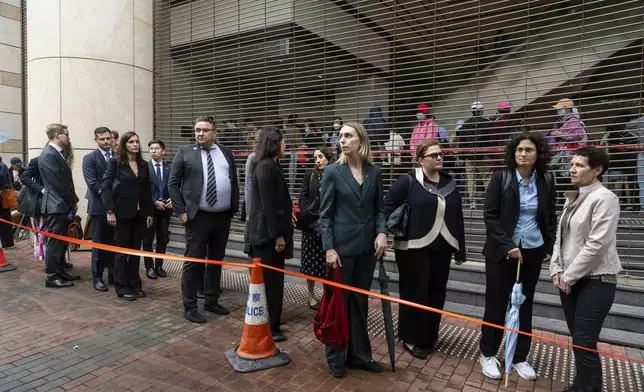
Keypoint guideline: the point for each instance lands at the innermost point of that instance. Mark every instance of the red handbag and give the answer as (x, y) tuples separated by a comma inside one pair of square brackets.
[(330, 323)]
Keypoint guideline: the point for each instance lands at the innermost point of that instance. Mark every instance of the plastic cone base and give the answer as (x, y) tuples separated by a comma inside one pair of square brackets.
[(8, 267), (243, 365)]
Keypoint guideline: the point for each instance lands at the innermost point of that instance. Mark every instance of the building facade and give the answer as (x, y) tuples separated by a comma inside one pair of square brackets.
[(11, 128)]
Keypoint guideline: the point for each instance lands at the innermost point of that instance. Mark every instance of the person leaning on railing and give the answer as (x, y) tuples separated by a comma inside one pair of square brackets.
[(520, 223), (585, 262), (435, 232)]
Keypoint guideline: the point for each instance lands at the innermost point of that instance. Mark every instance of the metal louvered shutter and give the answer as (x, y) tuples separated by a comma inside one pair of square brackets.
[(297, 62)]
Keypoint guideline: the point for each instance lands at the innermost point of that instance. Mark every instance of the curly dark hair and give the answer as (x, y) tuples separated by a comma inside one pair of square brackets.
[(543, 151), (268, 144), (328, 154)]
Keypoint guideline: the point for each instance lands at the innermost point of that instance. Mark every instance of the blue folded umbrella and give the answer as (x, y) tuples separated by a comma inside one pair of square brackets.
[(512, 321)]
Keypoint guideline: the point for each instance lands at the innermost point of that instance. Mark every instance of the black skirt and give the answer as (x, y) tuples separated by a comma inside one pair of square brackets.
[(313, 259)]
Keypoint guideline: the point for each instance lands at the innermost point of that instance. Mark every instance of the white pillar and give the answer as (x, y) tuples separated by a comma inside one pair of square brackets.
[(90, 64)]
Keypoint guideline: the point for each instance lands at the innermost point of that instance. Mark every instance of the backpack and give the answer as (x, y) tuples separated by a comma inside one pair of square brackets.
[(507, 178)]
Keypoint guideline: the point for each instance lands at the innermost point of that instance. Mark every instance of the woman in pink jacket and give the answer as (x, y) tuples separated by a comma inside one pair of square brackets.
[(425, 129)]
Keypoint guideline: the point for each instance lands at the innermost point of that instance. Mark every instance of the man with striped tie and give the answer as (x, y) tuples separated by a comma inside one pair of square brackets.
[(205, 196)]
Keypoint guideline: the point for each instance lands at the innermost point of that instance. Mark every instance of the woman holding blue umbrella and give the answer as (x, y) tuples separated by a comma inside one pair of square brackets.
[(520, 222)]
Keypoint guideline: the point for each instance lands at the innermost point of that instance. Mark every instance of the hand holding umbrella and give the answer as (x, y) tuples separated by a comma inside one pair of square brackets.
[(512, 321)]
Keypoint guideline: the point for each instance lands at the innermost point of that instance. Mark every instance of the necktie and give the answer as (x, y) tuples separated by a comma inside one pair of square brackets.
[(108, 156), (211, 187), (159, 180)]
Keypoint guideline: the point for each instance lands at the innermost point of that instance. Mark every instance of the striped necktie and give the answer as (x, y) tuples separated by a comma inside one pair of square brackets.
[(211, 186)]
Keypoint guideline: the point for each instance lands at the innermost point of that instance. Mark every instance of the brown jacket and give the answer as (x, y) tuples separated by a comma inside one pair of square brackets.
[(586, 235)]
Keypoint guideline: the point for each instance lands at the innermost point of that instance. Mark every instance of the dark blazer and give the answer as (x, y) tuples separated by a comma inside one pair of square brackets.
[(60, 194), (271, 207), (185, 182), (94, 167), (351, 216), (30, 178), (154, 187), (424, 205), (501, 215), (132, 191), (309, 200)]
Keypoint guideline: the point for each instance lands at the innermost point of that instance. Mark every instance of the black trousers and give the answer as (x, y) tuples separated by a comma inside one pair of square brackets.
[(585, 309), (6, 230), (102, 233), (159, 229), (206, 236), (273, 282), (129, 234), (55, 249), (357, 271), (423, 279), (500, 276)]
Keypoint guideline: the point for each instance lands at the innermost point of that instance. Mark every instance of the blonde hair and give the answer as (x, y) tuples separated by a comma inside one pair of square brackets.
[(54, 129), (365, 146)]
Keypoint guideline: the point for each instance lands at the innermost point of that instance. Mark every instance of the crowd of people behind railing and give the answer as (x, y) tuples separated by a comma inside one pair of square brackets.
[(345, 215)]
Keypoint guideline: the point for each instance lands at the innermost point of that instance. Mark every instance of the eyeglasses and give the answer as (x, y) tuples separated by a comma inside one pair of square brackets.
[(204, 130), (434, 155)]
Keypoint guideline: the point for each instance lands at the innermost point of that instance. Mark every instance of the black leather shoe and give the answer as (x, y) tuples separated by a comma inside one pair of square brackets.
[(110, 279), (100, 286), (161, 272), (70, 278), (127, 297), (194, 316), (150, 274), (337, 371), (216, 308), (418, 351), (200, 293), (58, 283), (279, 337), (139, 294), (68, 265), (371, 366)]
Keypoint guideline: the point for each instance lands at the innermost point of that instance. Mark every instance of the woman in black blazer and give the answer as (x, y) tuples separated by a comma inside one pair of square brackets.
[(270, 226), (126, 193), (354, 235), (435, 232), (521, 222)]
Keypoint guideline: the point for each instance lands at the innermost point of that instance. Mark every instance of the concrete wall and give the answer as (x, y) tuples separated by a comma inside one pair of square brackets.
[(10, 80), (90, 64)]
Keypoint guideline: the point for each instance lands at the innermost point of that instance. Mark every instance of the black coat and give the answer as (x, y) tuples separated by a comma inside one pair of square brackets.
[(131, 191), (60, 194), (30, 198), (271, 207), (501, 215), (309, 201), (423, 208), (351, 215)]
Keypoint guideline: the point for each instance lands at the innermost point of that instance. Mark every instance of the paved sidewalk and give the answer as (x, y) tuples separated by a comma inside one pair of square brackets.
[(82, 340)]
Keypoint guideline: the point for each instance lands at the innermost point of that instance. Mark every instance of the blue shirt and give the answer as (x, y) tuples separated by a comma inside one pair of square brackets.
[(527, 234), (222, 178)]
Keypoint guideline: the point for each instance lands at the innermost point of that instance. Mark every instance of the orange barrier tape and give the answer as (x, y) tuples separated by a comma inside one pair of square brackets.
[(399, 301)]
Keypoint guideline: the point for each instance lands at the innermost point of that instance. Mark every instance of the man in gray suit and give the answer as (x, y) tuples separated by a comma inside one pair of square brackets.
[(59, 202), (205, 196)]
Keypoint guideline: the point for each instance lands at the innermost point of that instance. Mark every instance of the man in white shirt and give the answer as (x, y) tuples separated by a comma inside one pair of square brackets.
[(205, 196)]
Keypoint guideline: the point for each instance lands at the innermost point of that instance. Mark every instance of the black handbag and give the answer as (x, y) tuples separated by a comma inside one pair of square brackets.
[(399, 219), (29, 202)]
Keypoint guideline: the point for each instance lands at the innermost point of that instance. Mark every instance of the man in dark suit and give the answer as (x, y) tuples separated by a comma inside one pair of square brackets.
[(205, 196), (94, 167), (59, 202), (159, 174)]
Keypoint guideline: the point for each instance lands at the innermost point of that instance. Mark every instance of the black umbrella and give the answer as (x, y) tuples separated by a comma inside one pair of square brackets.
[(383, 280)]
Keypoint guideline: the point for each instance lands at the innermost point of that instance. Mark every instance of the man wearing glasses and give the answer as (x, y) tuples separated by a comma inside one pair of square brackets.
[(59, 202), (205, 196)]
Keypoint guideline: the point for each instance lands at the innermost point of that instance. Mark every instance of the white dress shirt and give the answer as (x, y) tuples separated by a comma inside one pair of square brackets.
[(222, 176)]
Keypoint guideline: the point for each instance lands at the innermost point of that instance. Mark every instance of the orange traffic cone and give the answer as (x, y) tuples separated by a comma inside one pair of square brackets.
[(257, 351), (4, 266)]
